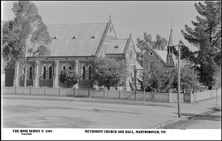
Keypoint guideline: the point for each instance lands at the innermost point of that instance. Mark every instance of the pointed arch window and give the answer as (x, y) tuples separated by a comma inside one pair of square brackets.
[(131, 54), (151, 66), (30, 72), (50, 72), (44, 72), (70, 67), (170, 60), (64, 67), (90, 72), (147, 68), (83, 72)]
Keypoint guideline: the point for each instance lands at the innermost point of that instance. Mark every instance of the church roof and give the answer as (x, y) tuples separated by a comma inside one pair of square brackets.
[(116, 46), (75, 39), (162, 54), (138, 66)]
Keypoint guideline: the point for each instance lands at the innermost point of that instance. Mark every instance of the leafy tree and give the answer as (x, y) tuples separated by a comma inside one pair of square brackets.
[(26, 35), (157, 80), (206, 36), (147, 42), (109, 72), (69, 77), (188, 78)]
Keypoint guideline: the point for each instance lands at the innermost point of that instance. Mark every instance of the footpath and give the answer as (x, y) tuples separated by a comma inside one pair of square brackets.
[(188, 110)]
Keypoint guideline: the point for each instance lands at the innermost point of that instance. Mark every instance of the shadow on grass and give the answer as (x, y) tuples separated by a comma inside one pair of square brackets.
[(209, 116)]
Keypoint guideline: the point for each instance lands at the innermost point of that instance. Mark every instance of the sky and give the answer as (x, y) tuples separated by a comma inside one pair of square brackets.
[(128, 17)]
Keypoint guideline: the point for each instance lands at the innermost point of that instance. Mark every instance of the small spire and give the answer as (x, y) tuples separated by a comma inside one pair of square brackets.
[(109, 17), (130, 35), (170, 42), (171, 25)]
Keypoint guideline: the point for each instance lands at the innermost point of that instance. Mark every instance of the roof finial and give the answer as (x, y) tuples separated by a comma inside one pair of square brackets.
[(170, 42), (109, 17), (130, 35), (171, 25)]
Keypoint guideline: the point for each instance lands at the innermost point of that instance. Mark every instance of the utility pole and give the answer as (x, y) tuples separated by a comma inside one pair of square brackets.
[(178, 91), (135, 71)]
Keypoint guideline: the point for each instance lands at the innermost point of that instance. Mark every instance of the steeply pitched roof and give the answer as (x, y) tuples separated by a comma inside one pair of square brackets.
[(10, 65), (75, 39), (116, 46), (162, 54), (170, 42), (138, 66)]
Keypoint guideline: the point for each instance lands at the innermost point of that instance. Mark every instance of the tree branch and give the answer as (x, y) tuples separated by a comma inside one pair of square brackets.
[(216, 40)]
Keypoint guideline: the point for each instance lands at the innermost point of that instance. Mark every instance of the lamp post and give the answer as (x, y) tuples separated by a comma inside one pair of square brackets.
[(178, 91), (143, 53), (135, 71)]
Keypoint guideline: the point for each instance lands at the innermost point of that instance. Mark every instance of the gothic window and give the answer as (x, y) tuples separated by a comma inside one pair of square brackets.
[(30, 72), (83, 72), (151, 66), (70, 67), (44, 72), (170, 61), (50, 72), (147, 68), (64, 67), (131, 54), (90, 72)]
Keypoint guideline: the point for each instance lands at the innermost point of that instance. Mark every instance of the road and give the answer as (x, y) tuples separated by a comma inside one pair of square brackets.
[(24, 111)]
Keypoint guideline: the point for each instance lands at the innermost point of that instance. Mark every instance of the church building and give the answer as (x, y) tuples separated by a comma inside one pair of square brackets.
[(75, 46), (164, 59)]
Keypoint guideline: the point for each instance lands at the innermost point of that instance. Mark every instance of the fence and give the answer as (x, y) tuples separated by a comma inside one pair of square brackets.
[(114, 94), (88, 92), (198, 96)]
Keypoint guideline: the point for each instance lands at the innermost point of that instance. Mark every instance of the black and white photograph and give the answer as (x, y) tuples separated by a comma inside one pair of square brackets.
[(110, 70)]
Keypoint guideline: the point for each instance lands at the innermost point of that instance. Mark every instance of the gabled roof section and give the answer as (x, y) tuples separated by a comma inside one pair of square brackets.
[(138, 66), (162, 54), (10, 65), (108, 26), (83, 45), (116, 46), (127, 44)]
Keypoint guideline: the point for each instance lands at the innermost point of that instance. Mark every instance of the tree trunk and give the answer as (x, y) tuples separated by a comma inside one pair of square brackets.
[(25, 68), (25, 75)]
